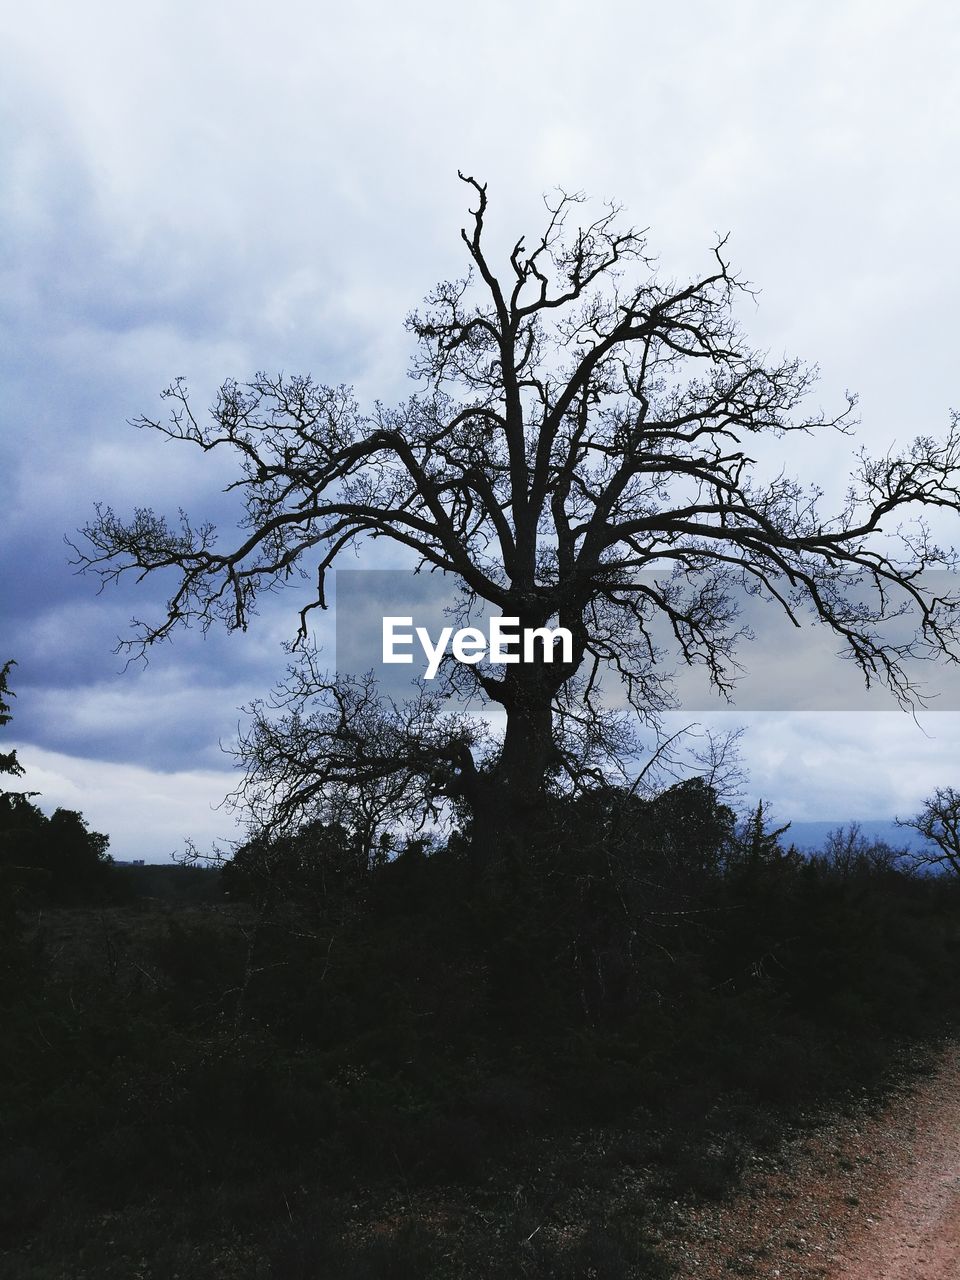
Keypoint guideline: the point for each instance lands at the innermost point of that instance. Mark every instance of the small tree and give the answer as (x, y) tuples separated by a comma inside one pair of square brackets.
[(579, 420), (939, 824), (60, 853), (320, 863), (758, 842)]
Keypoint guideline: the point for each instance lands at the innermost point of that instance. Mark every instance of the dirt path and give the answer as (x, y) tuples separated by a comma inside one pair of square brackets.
[(915, 1234), (870, 1196)]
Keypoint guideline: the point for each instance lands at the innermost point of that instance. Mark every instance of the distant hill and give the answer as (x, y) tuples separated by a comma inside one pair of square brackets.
[(810, 836)]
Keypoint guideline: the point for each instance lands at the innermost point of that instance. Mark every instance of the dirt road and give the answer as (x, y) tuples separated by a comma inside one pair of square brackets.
[(873, 1195), (915, 1232)]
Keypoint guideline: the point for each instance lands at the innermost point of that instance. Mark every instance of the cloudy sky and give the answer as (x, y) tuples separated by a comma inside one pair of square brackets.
[(210, 189)]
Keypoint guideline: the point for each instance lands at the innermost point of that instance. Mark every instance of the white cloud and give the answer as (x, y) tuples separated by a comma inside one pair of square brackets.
[(840, 766), (147, 814)]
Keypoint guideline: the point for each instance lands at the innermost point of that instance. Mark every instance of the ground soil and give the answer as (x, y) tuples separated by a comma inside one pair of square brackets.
[(873, 1194)]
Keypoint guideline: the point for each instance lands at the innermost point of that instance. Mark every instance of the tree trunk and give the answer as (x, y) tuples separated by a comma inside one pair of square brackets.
[(510, 805)]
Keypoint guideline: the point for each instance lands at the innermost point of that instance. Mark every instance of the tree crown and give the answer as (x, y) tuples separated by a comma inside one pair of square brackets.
[(580, 421)]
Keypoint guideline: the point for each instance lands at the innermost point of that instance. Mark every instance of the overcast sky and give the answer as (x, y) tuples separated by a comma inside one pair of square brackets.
[(210, 189)]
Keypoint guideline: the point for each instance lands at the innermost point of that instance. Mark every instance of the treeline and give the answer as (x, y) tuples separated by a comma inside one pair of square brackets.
[(54, 859)]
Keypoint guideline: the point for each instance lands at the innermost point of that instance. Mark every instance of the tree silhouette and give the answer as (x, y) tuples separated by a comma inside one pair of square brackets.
[(579, 420), (68, 858), (8, 759), (939, 823)]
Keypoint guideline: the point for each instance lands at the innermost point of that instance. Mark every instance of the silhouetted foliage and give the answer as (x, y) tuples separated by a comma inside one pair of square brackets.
[(43, 856), (757, 843), (939, 824), (321, 861), (8, 760), (358, 1035), (73, 861), (849, 852)]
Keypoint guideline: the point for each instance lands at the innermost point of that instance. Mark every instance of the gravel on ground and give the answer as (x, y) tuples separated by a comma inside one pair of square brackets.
[(873, 1194)]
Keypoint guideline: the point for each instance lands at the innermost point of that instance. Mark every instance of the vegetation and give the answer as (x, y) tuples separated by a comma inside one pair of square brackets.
[(8, 760), (71, 860), (939, 823), (57, 859), (350, 1070)]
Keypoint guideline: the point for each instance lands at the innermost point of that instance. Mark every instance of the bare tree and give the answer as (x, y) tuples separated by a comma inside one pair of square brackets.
[(939, 824), (579, 420), (848, 851)]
